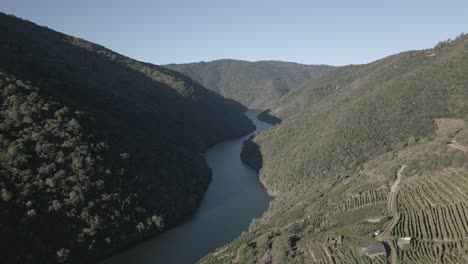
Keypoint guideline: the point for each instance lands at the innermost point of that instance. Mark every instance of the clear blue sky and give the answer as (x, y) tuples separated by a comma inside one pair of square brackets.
[(312, 32)]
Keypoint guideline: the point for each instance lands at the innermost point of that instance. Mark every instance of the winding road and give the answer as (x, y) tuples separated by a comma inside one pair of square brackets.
[(454, 144), (386, 237)]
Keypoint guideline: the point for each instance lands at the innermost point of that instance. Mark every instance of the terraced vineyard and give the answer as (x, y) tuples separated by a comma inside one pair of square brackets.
[(433, 205), (340, 254), (319, 223), (350, 255), (430, 252), (434, 208), (362, 199)]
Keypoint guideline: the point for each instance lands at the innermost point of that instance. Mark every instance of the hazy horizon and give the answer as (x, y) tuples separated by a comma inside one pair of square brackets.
[(178, 32)]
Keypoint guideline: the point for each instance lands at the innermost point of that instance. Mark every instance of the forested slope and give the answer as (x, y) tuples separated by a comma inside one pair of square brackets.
[(97, 150), (333, 165), (349, 77), (254, 84)]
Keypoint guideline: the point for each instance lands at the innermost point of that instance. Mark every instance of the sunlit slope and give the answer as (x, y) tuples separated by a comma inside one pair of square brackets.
[(385, 150), (379, 112)]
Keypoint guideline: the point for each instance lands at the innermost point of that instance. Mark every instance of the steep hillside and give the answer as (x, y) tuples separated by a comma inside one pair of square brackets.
[(316, 89), (348, 77), (383, 148), (98, 150), (254, 84)]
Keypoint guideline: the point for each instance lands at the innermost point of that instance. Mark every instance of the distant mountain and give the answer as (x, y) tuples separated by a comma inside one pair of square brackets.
[(254, 84), (381, 146), (98, 150)]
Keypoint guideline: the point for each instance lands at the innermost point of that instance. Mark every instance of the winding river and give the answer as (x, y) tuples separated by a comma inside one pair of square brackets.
[(233, 199)]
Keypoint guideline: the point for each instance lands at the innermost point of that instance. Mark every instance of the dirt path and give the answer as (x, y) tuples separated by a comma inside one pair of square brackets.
[(329, 256), (385, 237), (454, 144), (392, 206), (312, 255)]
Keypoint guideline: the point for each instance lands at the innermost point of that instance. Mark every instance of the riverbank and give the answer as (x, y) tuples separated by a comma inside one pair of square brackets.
[(233, 199), (267, 117)]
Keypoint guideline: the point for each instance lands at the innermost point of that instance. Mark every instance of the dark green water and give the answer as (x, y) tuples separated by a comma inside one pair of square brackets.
[(234, 198)]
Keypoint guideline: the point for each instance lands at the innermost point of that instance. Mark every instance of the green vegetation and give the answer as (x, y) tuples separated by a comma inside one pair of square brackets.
[(334, 159), (254, 84), (251, 154), (98, 150), (316, 89), (394, 104)]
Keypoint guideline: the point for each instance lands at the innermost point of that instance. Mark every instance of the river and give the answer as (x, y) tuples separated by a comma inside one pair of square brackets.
[(233, 199)]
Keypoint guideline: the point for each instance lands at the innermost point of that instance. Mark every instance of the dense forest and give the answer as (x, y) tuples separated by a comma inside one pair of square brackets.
[(254, 84), (98, 150), (380, 146)]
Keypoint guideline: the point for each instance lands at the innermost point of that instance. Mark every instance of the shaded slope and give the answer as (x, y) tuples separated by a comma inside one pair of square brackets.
[(100, 150), (80, 72), (254, 84)]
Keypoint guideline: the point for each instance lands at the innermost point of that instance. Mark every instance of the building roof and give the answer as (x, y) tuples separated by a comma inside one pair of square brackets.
[(404, 240), (372, 250)]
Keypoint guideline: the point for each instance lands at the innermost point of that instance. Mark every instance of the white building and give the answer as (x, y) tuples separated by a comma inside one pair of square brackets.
[(403, 241)]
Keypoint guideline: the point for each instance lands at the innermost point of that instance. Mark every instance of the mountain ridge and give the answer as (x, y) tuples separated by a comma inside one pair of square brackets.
[(254, 84)]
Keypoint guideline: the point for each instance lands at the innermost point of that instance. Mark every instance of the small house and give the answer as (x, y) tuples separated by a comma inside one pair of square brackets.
[(403, 241), (376, 232), (373, 250)]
